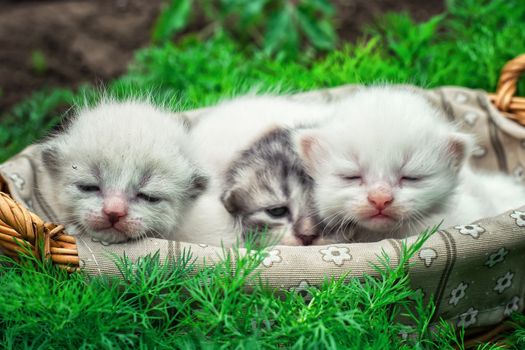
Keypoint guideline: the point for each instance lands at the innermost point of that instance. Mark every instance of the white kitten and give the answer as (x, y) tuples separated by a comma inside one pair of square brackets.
[(388, 165), (233, 126), (257, 175), (207, 221), (120, 171)]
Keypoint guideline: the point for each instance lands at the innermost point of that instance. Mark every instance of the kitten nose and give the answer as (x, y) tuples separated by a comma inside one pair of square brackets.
[(306, 239), (114, 217), (380, 199), (115, 207), (304, 230)]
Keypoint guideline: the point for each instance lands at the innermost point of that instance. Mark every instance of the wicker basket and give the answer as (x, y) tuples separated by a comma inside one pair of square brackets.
[(504, 98), (22, 231), (18, 224)]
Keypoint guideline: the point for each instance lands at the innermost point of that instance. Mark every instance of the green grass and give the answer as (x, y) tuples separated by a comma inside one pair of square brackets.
[(38, 62), (467, 46), (179, 305), (170, 306)]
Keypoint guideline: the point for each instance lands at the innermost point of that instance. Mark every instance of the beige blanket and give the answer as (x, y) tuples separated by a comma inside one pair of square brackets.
[(474, 271)]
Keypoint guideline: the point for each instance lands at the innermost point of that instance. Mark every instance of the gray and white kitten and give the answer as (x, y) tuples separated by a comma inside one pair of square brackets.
[(120, 171), (268, 190), (245, 144), (388, 164)]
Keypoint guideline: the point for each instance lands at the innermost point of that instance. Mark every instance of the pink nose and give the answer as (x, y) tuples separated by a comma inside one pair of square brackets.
[(115, 207), (304, 230), (306, 239), (380, 199)]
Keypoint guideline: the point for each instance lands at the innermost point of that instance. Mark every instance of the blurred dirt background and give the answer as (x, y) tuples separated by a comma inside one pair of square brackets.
[(65, 43)]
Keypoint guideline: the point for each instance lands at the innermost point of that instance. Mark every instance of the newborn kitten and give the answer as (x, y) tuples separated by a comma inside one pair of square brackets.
[(220, 135), (207, 221), (259, 178), (120, 171), (389, 165), (267, 188)]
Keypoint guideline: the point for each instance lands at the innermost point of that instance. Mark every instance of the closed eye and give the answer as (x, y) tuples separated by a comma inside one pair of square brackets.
[(411, 178), (148, 198), (277, 212), (350, 177), (88, 188)]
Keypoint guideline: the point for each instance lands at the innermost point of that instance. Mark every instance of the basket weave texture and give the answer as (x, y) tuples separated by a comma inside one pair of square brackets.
[(22, 232), (504, 98)]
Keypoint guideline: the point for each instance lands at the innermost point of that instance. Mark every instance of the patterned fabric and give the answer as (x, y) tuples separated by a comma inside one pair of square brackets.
[(474, 271)]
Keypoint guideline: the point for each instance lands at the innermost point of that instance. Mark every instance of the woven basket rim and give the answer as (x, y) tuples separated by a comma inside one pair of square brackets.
[(505, 99)]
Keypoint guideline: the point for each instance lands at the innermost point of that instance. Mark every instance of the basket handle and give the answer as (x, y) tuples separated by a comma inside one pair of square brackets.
[(22, 231), (513, 107)]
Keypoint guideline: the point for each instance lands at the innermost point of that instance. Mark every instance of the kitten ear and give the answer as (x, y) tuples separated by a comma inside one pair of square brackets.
[(198, 184), (51, 157), (459, 148), (312, 150), (233, 201)]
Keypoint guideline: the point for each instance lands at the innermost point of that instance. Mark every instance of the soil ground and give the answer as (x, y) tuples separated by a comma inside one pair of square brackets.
[(77, 41), (352, 16), (65, 43)]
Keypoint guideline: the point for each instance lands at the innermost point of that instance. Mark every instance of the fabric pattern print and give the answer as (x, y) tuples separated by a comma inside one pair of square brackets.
[(458, 293), (479, 151), (18, 181), (519, 217), (337, 255), (461, 98), (273, 256), (471, 118), (428, 255), (468, 318), (93, 239), (472, 230), (504, 282), (512, 305), (303, 289), (403, 335), (518, 172), (496, 257)]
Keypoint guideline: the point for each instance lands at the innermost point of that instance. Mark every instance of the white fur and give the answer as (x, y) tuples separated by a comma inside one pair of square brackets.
[(131, 148), (208, 222), (234, 125), (382, 136), (482, 194), (218, 138)]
